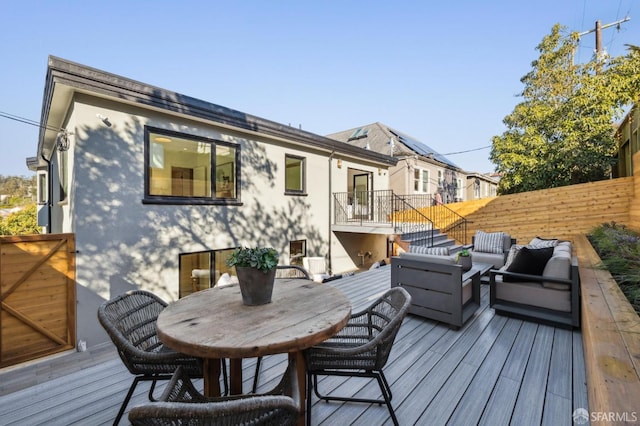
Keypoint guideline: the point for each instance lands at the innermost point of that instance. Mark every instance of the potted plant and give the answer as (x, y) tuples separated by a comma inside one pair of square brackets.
[(463, 258), (256, 270)]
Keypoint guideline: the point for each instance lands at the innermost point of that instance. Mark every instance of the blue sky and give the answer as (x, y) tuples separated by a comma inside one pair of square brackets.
[(446, 73)]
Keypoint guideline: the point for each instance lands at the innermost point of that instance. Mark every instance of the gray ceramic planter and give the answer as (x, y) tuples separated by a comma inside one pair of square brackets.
[(256, 286)]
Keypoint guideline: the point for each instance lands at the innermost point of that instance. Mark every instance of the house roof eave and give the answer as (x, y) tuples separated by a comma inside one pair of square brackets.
[(65, 77)]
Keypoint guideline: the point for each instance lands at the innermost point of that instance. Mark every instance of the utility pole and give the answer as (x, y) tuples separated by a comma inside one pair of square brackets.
[(598, 30)]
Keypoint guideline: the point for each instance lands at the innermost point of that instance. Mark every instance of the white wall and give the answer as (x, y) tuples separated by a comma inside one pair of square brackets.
[(124, 244)]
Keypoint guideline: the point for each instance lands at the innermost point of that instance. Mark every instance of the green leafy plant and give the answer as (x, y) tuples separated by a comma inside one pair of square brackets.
[(262, 258), (619, 250), (462, 253), (22, 222)]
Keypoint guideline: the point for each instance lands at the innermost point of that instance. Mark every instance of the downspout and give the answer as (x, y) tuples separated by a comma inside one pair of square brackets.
[(49, 192), (330, 269)]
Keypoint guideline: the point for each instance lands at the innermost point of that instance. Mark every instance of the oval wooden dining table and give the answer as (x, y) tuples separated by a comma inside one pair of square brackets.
[(214, 324)]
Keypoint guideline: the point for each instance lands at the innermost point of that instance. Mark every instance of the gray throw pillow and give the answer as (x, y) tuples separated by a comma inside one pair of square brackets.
[(489, 242)]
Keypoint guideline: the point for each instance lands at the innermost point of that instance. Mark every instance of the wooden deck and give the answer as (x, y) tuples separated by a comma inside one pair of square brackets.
[(495, 370)]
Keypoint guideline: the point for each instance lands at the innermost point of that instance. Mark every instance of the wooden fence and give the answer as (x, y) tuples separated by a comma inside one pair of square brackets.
[(554, 213), (37, 296), (634, 212)]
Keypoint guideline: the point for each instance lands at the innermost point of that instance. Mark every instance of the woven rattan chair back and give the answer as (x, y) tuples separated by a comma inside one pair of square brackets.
[(130, 321), (181, 403), (291, 271), (361, 348)]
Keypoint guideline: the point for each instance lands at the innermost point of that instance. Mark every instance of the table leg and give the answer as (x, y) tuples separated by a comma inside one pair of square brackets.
[(211, 373), (302, 385), (235, 373)]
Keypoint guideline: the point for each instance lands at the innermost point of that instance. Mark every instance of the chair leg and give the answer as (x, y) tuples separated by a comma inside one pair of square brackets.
[(257, 375), (310, 384), (386, 393), (380, 378), (386, 385), (225, 378), (126, 400), (151, 389)]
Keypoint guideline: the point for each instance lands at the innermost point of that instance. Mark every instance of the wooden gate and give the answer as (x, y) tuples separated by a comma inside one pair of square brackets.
[(37, 296)]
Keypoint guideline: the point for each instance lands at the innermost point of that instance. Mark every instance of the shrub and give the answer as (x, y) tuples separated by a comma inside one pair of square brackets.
[(23, 222), (619, 250)]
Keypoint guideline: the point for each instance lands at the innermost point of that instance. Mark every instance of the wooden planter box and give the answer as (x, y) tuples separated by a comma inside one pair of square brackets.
[(611, 339)]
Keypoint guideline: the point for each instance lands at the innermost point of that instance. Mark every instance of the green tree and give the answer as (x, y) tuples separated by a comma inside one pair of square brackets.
[(20, 189), (22, 222), (562, 133)]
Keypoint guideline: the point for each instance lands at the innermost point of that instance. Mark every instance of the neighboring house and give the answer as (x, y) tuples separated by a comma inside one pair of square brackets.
[(6, 212), (480, 185), (628, 142), (158, 187), (420, 169)]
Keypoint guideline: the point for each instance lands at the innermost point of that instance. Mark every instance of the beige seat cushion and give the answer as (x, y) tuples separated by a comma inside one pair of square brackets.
[(533, 294), (433, 258)]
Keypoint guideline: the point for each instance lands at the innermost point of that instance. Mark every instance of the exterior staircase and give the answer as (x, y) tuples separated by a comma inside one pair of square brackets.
[(423, 238)]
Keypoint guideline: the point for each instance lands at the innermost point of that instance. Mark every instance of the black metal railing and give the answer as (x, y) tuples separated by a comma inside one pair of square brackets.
[(406, 214), (360, 207), (449, 222), (407, 220)]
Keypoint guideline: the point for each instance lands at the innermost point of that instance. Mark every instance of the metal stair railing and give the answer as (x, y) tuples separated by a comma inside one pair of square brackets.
[(407, 219), (449, 222), (405, 213)]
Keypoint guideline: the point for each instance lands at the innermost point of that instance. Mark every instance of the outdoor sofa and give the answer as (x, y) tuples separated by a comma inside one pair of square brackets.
[(491, 247), (551, 296)]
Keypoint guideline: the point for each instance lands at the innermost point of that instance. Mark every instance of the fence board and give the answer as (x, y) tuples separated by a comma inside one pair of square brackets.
[(37, 296), (557, 212)]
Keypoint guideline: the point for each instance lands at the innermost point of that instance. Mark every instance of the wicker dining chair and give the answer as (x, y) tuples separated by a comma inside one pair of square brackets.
[(182, 404), (284, 272), (291, 271), (360, 349), (130, 321)]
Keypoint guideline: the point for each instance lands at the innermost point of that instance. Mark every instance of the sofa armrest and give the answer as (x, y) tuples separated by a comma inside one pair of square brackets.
[(526, 277), (573, 281), (522, 308)]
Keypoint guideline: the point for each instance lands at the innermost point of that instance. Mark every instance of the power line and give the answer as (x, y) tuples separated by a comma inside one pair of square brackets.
[(28, 121), (37, 124), (469, 150)]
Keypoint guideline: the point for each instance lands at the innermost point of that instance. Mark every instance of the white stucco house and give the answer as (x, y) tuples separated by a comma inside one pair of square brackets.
[(158, 186)]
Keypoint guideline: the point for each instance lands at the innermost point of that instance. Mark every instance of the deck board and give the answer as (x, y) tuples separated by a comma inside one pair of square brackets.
[(494, 370)]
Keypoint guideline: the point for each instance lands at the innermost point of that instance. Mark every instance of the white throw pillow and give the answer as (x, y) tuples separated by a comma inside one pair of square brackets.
[(538, 242), (442, 251)]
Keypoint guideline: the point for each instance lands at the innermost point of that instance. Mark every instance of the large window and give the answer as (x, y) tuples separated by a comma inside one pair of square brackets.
[(459, 188), (203, 269), (421, 180), (294, 178), (189, 169)]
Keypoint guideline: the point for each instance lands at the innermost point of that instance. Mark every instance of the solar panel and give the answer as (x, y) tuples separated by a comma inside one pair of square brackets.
[(421, 148)]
